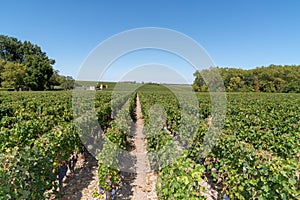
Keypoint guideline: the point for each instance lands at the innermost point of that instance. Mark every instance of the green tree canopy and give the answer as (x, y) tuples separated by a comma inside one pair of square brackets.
[(38, 72), (12, 75), (67, 83), (274, 78), (15, 54)]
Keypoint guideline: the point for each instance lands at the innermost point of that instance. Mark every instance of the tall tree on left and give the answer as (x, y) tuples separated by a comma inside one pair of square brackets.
[(38, 72), (38, 67)]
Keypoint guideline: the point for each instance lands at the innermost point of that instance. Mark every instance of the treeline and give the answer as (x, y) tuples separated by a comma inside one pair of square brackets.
[(274, 78), (25, 66)]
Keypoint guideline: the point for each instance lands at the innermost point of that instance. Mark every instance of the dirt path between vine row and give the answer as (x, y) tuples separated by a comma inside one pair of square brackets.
[(145, 181), (82, 183), (141, 184)]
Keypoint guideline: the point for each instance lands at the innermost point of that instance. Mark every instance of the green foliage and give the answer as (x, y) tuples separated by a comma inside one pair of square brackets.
[(208, 79), (115, 116), (24, 65), (12, 75), (274, 78), (181, 180), (26, 174), (234, 84), (256, 156), (38, 72), (37, 134), (13, 50), (67, 83)]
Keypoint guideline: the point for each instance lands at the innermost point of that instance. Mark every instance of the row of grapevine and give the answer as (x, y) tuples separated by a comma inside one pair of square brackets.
[(37, 135), (256, 156), (168, 121), (115, 140)]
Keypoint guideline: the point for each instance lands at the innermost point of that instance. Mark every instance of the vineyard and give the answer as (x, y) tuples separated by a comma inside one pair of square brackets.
[(255, 156)]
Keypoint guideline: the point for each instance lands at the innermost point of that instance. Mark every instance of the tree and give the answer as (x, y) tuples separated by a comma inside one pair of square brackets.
[(256, 83), (293, 86), (198, 82), (234, 84), (2, 63), (10, 49), (12, 75), (68, 83), (279, 84), (208, 80), (13, 50), (56, 79), (274, 78), (38, 72), (38, 66)]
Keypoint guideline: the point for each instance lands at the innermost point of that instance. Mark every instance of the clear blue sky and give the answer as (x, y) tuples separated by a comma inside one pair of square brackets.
[(236, 33)]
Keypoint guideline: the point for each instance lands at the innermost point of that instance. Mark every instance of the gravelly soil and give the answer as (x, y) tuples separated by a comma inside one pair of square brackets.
[(141, 184), (82, 183)]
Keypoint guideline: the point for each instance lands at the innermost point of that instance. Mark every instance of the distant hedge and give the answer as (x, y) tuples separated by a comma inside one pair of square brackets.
[(6, 89)]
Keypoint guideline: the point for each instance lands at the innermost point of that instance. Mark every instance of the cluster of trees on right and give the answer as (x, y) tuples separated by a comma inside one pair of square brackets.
[(274, 78)]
